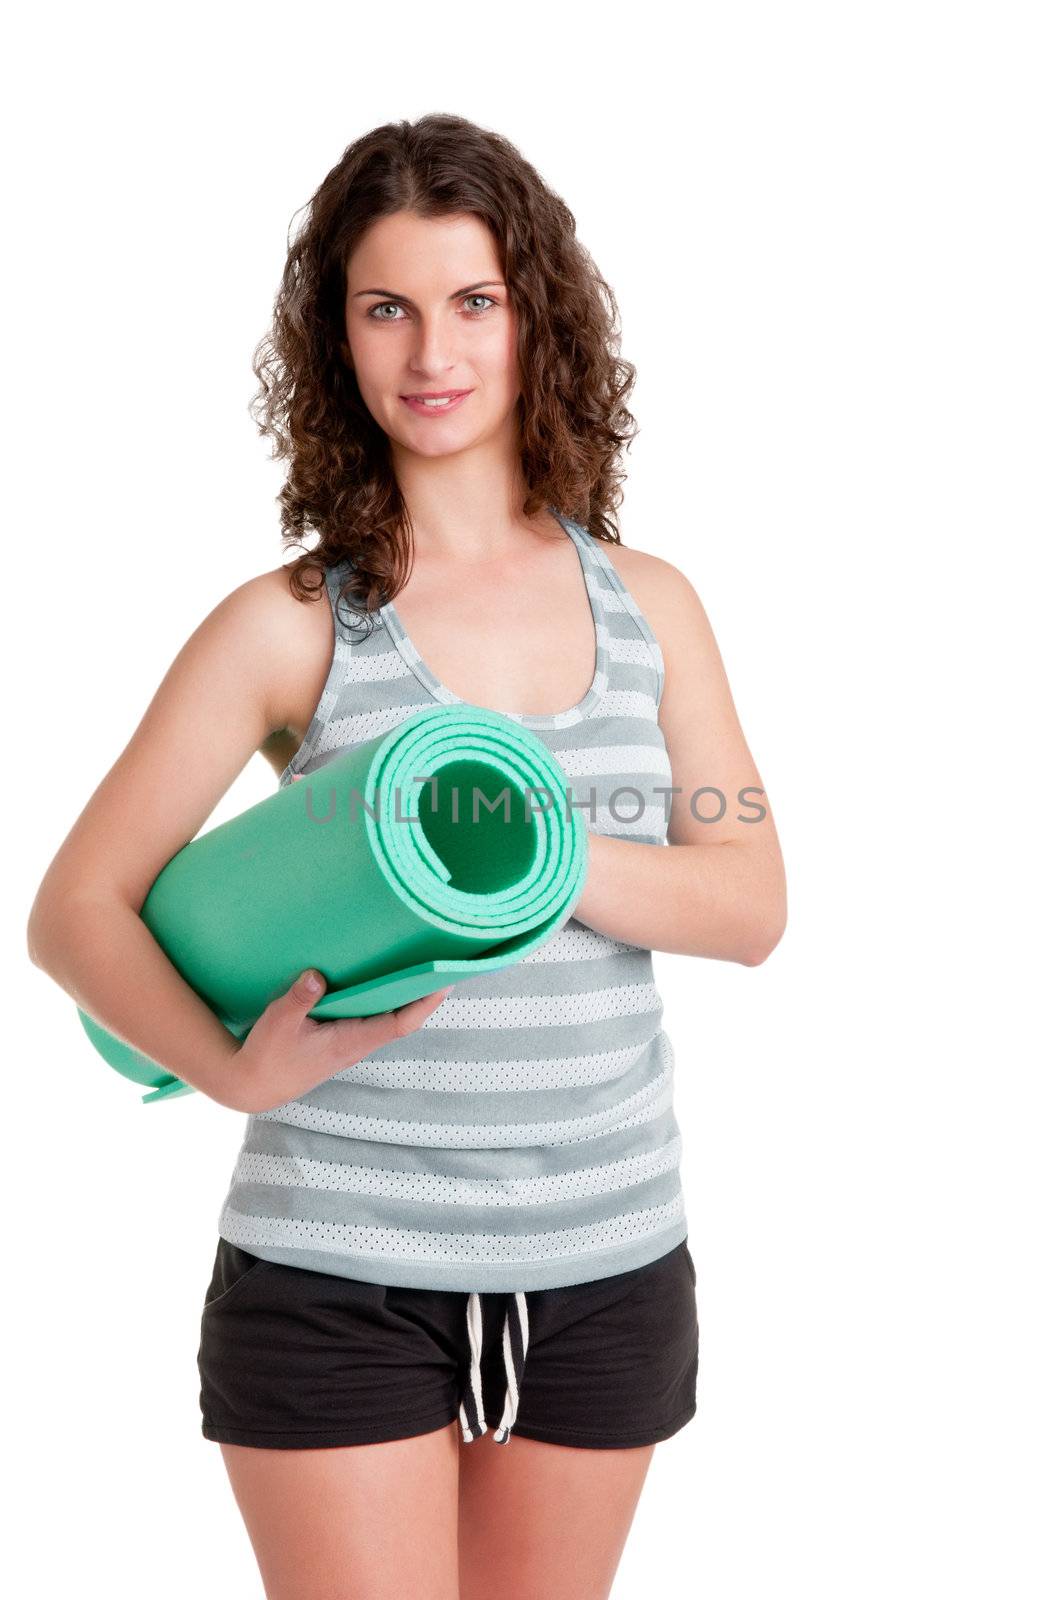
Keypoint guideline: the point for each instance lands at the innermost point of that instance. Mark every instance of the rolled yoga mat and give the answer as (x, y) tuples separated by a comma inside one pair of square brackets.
[(444, 848)]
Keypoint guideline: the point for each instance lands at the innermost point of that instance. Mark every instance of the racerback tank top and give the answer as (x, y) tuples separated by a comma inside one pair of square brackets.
[(524, 1136)]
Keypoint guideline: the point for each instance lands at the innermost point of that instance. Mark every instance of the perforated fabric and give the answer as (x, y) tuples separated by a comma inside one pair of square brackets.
[(524, 1137)]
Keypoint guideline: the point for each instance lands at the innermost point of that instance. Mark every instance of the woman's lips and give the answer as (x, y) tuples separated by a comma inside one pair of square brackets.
[(435, 410)]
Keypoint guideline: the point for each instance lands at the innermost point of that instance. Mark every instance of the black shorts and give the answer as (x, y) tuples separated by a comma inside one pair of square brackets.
[(295, 1359)]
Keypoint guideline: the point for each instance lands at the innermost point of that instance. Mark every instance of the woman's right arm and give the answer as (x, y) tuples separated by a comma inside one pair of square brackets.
[(229, 689)]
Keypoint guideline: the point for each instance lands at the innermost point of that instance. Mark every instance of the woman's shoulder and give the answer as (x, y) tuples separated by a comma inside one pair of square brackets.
[(285, 619), (661, 590)]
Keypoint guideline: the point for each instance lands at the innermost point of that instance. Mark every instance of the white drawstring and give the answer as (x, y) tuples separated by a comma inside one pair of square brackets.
[(514, 1354)]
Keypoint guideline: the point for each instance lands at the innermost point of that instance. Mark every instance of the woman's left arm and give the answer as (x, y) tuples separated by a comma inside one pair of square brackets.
[(719, 889)]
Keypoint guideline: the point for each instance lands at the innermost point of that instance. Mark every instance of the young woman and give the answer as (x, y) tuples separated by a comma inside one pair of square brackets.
[(465, 1215)]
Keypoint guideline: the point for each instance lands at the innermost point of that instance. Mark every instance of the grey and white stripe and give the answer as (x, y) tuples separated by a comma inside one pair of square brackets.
[(524, 1138)]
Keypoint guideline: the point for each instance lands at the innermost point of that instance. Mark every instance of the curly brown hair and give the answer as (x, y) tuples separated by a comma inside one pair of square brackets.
[(571, 414)]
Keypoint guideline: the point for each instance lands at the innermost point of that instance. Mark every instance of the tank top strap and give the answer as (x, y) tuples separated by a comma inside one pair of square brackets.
[(636, 641), (348, 616), (345, 636)]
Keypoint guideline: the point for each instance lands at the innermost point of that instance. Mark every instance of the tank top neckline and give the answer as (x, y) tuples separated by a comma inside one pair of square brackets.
[(547, 719)]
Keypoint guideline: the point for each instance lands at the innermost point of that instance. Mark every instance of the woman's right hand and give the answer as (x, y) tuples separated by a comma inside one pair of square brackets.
[(287, 1053)]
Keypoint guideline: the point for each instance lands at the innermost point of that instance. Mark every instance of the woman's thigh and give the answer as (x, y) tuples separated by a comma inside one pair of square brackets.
[(541, 1519), (611, 1371), (374, 1521)]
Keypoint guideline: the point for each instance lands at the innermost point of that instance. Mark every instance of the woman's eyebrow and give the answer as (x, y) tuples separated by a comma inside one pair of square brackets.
[(492, 283)]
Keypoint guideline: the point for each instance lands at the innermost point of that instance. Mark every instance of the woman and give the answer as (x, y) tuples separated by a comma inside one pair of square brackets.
[(466, 1214)]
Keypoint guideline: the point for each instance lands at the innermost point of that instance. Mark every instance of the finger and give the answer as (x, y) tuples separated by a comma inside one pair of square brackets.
[(351, 1037), (432, 999), (305, 992)]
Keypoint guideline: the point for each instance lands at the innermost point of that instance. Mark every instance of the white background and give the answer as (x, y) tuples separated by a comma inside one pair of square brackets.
[(834, 234)]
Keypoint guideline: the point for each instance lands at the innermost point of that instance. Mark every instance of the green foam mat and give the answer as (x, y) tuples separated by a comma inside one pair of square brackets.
[(443, 848)]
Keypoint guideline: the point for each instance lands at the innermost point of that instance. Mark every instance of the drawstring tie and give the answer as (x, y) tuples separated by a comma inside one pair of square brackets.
[(514, 1351)]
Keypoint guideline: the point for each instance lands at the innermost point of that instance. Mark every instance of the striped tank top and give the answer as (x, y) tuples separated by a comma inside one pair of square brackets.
[(524, 1136)]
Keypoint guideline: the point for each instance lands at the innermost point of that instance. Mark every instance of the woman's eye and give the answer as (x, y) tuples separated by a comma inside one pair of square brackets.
[(391, 305)]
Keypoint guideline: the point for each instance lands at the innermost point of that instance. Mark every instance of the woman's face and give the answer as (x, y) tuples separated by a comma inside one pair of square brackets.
[(427, 311)]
